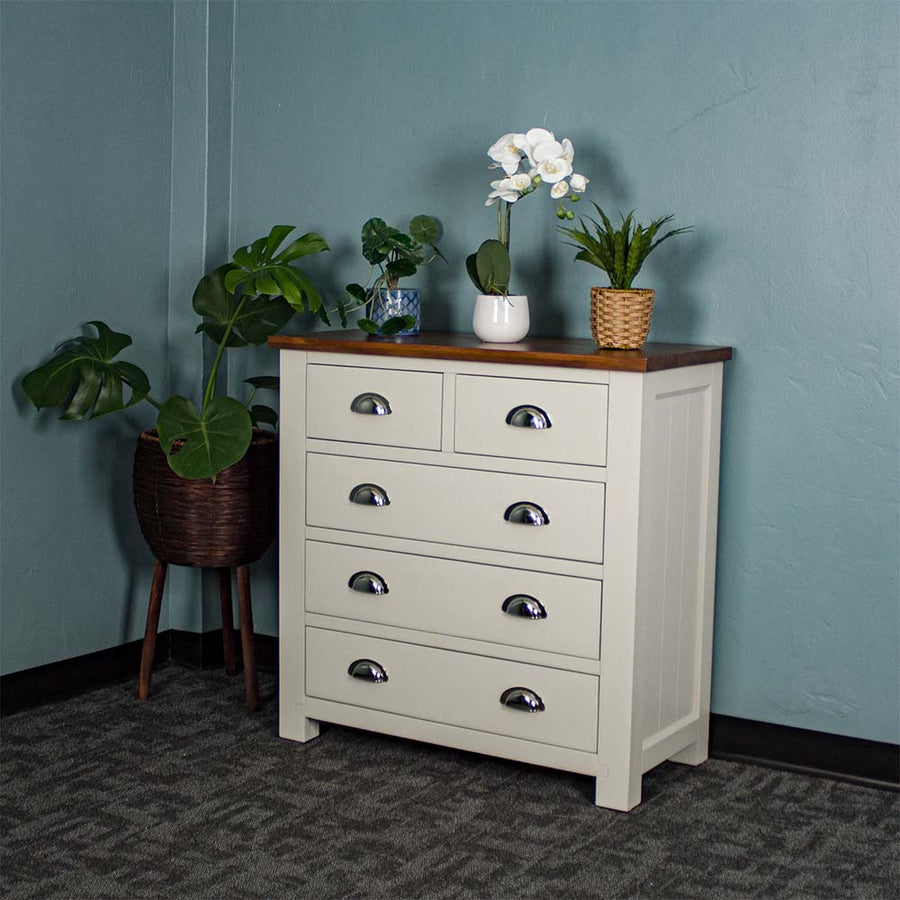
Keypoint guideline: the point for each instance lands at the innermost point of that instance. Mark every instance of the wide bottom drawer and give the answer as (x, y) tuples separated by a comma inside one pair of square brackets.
[(548, 706)]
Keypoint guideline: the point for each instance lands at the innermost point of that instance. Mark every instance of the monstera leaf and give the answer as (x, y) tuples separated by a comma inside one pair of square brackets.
[(262, 415), (256, 269), (271, 290), (250, 320), (83, 377), (212, 440)]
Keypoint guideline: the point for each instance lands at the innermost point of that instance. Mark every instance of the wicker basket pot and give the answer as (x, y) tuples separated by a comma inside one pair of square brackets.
[(190, 522), (621, 319)]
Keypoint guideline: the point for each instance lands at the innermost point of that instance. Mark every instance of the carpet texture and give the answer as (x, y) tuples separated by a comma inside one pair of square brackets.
[(187, 795)]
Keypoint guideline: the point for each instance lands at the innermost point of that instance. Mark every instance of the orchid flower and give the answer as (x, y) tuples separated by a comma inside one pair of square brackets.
[(544, 159), (505, 152), (579, 183)]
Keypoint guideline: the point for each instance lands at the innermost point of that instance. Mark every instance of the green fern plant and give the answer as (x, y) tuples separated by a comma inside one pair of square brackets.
[(620, 252)]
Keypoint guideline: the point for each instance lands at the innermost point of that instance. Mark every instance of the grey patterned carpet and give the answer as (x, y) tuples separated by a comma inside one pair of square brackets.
[(188, 796)]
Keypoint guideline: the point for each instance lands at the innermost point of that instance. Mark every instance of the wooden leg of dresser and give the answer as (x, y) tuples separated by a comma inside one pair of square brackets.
[(623, 793)]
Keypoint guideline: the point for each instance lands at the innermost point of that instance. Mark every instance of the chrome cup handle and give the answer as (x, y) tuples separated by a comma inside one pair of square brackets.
[(528, 416), (368, 583), (525, 513), (522, 700), (524, 605), (370, 404), (369, 495), (367, 670)]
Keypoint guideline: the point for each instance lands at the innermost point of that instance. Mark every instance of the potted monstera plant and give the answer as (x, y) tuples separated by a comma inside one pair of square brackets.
[(205, 477), (393, 254)]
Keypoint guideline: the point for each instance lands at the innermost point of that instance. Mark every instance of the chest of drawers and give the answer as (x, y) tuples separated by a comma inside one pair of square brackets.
[(508, 549)]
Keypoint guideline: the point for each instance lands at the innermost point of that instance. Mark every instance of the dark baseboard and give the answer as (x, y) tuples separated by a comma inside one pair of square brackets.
[(795, 749), (205, 651), (861, 761), (71, 677)]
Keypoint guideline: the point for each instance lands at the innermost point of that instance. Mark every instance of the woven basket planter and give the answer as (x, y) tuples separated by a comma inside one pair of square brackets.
[(620, 319), (191, 522)]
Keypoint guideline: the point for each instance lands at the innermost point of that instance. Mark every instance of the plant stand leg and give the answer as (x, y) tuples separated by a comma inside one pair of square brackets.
[(248, 641), (227, 621), (148, 652)]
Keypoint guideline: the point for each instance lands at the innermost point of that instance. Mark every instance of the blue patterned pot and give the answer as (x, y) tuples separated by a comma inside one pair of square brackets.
[(399, 302)]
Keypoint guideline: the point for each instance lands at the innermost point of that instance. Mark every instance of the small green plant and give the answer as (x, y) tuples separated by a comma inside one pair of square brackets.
[(620, 252), (396, 254), (489, 268), (242, 303)]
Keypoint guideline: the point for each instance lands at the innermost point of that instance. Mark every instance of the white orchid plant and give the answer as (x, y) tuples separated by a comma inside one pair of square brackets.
[(528, 160), (543, 160)]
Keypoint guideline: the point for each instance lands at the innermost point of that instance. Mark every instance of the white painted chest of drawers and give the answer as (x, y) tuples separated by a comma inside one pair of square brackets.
[(508, 549)]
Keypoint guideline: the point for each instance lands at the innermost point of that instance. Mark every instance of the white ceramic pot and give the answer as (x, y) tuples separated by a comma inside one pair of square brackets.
[(501, 320)]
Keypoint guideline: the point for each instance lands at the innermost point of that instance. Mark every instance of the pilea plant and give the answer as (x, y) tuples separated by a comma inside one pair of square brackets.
[(242, 303), (395, 254)]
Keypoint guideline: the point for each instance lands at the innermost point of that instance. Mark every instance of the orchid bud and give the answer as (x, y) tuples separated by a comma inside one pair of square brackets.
[(569, 214), (560, 213), (574, 198), (536, 180)]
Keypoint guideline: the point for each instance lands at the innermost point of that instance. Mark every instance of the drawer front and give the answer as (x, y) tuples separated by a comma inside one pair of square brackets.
[(549, 420), (409, 404), (454, 688), (555, 613), (457, 506)]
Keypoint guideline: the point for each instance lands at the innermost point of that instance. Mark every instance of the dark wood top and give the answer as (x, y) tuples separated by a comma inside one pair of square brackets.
[(574, 353)]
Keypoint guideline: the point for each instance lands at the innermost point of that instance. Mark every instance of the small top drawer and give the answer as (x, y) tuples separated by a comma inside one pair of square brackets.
[(552, 421), (394, 407)]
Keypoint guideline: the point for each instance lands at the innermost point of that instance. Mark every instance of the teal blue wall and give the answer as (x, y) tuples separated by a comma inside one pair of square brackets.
[(771, 127), (86, 137)]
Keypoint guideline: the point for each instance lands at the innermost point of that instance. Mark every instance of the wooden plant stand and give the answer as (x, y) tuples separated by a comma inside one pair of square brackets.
[(248, 640)]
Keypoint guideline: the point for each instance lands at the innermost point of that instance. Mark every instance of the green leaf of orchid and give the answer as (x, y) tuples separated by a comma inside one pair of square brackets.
[(472, 271), (493, 267)]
